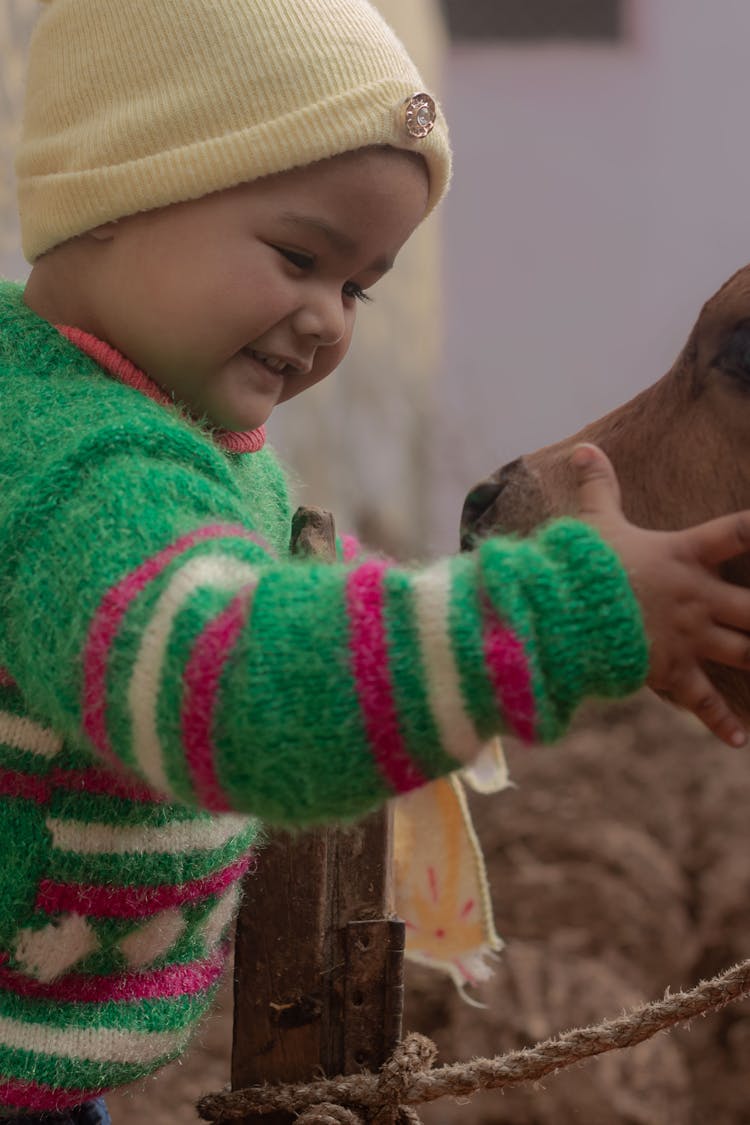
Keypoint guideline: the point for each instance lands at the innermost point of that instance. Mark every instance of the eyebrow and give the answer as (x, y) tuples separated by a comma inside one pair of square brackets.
[(338, 240)]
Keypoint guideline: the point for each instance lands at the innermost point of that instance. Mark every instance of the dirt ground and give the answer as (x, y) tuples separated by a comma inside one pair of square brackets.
[(620, 866)]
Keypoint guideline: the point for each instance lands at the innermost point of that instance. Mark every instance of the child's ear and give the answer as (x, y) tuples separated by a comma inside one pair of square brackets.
[(104, 233)]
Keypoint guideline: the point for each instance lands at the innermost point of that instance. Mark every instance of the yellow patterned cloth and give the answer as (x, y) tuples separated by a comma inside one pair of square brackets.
[(441, 890)]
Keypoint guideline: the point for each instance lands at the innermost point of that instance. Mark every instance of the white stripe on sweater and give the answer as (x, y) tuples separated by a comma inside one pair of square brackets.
[(154, 938), (217, 920), (53, 950), (220, 572), (90, 1044), (24, 734), (432, 591), (175, 839)]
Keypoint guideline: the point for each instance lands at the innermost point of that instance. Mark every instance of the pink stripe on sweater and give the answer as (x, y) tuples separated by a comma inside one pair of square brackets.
[(509, 674), (33, 1096), (365, 605), (6, 680), (115, 363), (203, 673), (14, 783), (102, 901), (104, 783), (106, 623), (158, 984), (351, 548)]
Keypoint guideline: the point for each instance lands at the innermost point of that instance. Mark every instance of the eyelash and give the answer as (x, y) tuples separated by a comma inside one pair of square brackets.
[(306, 262), (351, 289)]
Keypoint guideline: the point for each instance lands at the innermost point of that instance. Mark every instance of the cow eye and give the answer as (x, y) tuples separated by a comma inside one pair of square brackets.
[(734, 355)]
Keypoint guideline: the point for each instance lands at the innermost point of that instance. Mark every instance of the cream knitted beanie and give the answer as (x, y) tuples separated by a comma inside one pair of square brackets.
[(135, 104)]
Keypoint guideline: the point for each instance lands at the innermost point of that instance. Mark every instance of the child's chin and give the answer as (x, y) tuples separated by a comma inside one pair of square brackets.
[(240, 421)]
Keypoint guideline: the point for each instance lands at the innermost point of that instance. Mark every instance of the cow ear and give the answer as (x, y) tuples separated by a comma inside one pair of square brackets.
[(734, 355)]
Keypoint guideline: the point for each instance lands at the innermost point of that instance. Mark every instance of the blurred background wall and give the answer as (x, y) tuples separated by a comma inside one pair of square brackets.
[(16, 21), (600, 195)]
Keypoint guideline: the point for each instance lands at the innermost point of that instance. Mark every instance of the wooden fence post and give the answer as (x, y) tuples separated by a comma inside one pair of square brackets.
[(319, 955)]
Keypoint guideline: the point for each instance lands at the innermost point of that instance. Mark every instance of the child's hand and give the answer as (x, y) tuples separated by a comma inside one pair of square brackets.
[(691, 615)]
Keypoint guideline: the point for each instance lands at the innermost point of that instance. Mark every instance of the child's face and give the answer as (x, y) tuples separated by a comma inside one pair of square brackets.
[(244, 298)]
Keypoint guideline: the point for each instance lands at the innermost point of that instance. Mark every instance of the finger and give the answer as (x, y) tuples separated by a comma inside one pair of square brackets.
[(598, 490), (729, 605), (698, 695), (727, 646), (721, 539)]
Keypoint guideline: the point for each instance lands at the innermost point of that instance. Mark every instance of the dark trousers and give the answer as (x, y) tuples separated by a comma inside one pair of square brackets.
[(94, 1112)]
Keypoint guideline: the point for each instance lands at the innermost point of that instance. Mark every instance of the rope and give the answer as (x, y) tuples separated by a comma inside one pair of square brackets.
[(407, 1079)]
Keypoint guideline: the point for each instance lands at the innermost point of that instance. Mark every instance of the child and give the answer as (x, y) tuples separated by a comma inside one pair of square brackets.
[(207, 189)]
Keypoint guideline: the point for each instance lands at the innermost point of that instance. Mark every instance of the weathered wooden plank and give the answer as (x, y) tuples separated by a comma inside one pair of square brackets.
[(319, 955), (279, 957), (318, 959)]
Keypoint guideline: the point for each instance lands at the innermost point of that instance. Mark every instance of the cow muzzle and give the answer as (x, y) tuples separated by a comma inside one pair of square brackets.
[(510, 501)]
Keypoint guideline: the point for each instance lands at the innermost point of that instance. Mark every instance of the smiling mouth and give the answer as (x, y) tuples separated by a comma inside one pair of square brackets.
[(272, 363)]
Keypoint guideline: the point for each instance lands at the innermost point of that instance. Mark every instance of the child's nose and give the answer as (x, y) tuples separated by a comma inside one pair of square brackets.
[(323, 317)]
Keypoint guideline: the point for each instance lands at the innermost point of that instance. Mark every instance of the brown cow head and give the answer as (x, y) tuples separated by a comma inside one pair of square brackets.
[(681, 450)]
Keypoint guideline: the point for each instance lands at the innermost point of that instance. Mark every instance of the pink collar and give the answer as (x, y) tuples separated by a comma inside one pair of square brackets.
[(116, 364)]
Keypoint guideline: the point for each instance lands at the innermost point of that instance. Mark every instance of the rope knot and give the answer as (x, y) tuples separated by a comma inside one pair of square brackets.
[(413, 1056)]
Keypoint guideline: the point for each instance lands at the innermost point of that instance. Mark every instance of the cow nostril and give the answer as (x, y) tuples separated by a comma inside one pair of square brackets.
[(510, 502), (479, 514), (481, 497), (477, 505)]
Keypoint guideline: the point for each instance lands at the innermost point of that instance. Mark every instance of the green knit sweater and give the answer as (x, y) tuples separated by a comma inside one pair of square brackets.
[(169, 675)]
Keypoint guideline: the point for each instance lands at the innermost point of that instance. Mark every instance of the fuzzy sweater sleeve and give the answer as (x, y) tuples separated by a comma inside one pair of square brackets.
[(146, 618)]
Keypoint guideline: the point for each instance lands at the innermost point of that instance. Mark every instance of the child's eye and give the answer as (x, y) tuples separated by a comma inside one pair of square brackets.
[(301, 261), (351, 289)]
